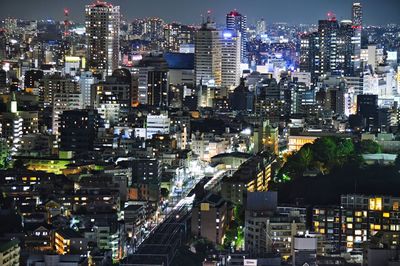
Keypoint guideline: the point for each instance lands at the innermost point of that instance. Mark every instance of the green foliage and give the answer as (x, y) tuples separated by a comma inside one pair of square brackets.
[(4, 156), (323, 155), (369, 146)]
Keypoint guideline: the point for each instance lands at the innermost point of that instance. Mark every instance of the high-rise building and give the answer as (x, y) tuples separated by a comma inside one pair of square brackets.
[(237, 22), (260, 27), (176, 35), (102, 33), (86, 80), (208, 54), (153, 81), (230, 58), (335, 48), (367, 108), (357, 26), (357, 15), (328, 31)]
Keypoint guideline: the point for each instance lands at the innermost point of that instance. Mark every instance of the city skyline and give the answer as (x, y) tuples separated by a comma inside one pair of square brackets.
[(174, 10)]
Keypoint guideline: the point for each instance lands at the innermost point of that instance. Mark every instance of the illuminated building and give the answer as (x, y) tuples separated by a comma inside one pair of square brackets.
[(357, 15), (68, 241), (357, 25), (260, 27), (73, 65), (356, 220), (208, 55), (9, 253), (177, 35), (64, 99), (11, 126), (237, 22), (367, 108), (270, 228), (210, 218), (252, 175), (112, 97), (86, 80), (153, 81), (230, 60), (157, 124), (102, 31), (296, 142)]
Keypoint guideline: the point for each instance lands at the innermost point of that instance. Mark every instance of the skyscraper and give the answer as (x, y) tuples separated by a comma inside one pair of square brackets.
[(328, 30), (260, 27), (357, 15), (102, 33), (153, 81), (356, 39), (230, 59), (237, 22), (208, 54)]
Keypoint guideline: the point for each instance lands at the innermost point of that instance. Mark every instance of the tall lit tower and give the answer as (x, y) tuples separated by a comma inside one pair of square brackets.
[(102, 33), (207, 58), (237, 22), (357, 15), (356, 40)]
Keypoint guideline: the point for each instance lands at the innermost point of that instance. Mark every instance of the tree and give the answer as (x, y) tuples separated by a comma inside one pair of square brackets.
[(4, 154), (306, 155), (369, 146)]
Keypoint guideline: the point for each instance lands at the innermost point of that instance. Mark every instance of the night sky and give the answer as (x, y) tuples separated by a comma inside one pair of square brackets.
[(376, 12)]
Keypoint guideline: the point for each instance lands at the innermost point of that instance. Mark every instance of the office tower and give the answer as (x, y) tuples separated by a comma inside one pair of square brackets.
[(153, 81), (153, 29), (356, 40), (260, 27), (86, 80), (176, 35), (309, 54), (208, 55), (237, 22), (345, 49), (328, 31), (367, 108), (78, 130), (230, 58), (102, 30), (357, 15)]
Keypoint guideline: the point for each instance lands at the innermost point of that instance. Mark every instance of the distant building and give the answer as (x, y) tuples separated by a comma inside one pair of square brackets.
[(9, 252), (78, 130), (238, 22), (102, 31), (68, 241), (208, 55), (210, 217), (252, 175), (269, 228)]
